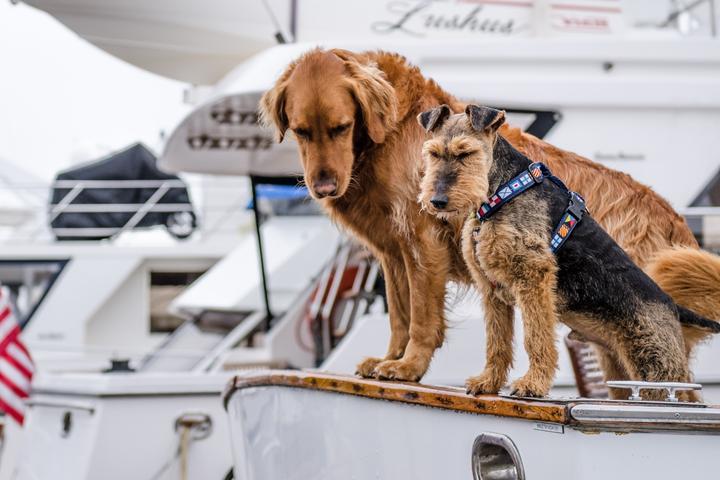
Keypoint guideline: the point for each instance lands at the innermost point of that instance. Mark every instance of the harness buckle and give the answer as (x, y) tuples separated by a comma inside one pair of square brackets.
[(536, 172), (577, 207)]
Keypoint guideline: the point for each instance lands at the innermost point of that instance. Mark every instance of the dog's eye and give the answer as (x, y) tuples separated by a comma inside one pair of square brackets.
[(434, 154), (460, 157), (302, 133), (340, 129)]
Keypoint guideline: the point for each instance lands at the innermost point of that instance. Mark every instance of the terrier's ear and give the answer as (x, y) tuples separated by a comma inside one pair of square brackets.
[(485, 119), (434, 118)]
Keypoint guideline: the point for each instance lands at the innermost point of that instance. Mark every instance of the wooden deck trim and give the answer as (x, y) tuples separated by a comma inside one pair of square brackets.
[(450, 398), (447, 398)]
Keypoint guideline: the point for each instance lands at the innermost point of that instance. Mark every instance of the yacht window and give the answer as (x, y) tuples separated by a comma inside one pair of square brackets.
[(29, 281), (710, 195), (164, 288)]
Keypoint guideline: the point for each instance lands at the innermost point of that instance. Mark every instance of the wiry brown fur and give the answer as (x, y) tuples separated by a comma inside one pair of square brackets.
[(378, 181), (510, 261), (644, 224)]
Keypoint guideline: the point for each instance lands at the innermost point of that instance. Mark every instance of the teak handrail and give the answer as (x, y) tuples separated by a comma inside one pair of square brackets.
[(592, 414)]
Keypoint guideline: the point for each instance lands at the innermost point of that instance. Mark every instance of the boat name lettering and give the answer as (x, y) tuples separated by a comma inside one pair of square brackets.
[(419, 18), (549, 427)]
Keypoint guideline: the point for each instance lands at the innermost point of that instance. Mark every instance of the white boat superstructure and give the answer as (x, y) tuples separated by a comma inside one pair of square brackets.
[(168, 405), (196, 42), (622, 104), (83, 301), (199, 43), (101, 301), (114, 299)]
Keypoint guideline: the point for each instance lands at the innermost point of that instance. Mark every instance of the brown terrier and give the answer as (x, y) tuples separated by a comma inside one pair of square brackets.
[(517, 254)]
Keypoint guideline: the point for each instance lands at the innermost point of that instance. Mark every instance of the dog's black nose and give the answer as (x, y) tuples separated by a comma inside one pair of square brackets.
[(439, 201)]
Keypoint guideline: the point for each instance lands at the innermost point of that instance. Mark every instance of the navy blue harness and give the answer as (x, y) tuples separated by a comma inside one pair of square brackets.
[(535, 175)]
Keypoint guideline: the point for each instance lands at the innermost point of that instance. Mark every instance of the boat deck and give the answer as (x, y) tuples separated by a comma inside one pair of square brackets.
[(583, 414)]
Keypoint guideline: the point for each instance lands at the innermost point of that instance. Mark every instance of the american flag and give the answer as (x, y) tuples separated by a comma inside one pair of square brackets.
[(16, 366)]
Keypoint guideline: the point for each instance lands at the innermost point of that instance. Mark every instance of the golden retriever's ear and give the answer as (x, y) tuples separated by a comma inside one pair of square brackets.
[(432, 119), (485, 119), (272, 105), (375, 97)]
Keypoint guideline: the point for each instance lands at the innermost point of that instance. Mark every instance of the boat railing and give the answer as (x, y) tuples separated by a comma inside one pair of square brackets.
[(345, 290), (138, 211), (33, 211)]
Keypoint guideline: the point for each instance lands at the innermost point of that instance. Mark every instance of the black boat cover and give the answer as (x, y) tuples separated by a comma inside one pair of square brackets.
[(136, 162)]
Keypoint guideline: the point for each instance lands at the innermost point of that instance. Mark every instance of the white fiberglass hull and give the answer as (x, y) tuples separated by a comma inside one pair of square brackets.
[(118, 427), (300, 433)]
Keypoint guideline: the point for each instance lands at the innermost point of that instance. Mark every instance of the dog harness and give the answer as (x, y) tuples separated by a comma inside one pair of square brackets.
[(535, 175)]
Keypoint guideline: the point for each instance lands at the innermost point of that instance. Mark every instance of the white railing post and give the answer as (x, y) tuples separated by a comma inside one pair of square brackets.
[(146, 207), (69, 197)]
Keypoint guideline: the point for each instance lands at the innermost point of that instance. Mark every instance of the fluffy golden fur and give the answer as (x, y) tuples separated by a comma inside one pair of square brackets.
[(354, 118), (366, 178), (691, 277), (591, 284)]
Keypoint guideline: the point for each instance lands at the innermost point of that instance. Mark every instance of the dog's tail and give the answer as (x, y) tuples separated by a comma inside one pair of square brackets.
[(692, 319), (692, 278)]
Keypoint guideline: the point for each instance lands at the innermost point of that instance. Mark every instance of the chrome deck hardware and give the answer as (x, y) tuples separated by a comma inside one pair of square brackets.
[(495, 456), (636, 386), (198, 424)]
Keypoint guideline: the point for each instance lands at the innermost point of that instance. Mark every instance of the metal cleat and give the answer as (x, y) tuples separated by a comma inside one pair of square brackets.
[(636, 386)]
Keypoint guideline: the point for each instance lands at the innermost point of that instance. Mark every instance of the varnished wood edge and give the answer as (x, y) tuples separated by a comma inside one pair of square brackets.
[(446, 398)]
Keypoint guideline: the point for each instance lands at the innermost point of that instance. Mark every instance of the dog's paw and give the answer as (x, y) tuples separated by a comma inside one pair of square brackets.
[(483, 383), (525, 387), (366, 368), (399, 370)]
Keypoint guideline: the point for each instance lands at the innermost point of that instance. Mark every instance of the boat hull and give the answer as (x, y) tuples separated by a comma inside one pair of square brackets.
[(118, 427), (285, 432)]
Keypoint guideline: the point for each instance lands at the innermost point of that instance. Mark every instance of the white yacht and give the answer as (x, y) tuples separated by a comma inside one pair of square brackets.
[(639, 94)]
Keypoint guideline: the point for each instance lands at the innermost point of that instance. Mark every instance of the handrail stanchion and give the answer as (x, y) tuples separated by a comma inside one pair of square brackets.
[(147, 206), (261, 255)]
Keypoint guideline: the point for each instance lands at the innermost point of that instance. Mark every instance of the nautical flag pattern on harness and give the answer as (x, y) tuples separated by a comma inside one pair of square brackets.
[(506, 192), (16, 365), (534, 175), (510, 190), (563, 230)]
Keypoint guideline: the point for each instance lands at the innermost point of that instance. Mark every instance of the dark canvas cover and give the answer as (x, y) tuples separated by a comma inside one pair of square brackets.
[(136, 162)]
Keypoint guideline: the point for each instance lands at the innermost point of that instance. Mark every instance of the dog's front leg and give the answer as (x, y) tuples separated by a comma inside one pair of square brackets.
[(398, 297), (499, 330), (535, 294), (499, 321), (427, 321)]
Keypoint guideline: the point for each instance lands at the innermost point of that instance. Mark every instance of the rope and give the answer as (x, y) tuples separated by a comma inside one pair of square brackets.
[(181, 453), (184, 448)]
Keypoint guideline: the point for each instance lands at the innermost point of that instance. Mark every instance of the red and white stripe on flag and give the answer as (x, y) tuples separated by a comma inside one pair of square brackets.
[(16, 366)]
